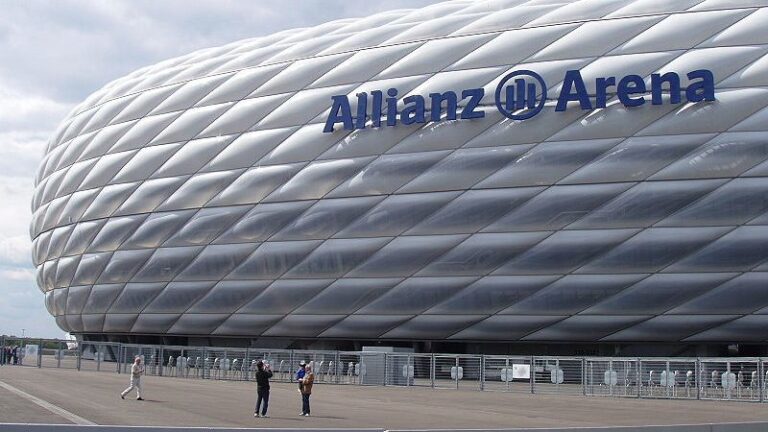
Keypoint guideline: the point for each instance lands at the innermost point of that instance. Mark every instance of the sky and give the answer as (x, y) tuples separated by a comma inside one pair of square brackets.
[(55, 53)]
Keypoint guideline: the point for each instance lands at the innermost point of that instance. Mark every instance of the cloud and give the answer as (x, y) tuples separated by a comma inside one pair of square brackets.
[(15, 196), (68, 49), (21, 112), (23, 307), (15, 250), (18, 274), (20, 155), (56, 53)]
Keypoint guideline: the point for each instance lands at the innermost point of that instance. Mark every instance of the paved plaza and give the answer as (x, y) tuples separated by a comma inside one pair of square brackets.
[(191, 402)]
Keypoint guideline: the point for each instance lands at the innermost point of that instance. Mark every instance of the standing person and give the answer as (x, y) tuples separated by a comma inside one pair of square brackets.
[(300, 376), (263, 374), (137, 370), (15, 354), (300, 373), (306, 390)]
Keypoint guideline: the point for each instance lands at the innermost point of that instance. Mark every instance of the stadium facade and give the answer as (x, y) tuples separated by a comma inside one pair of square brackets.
[(486, 176)]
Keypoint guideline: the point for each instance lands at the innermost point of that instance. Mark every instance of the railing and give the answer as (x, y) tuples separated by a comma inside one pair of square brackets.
[(732, 378)]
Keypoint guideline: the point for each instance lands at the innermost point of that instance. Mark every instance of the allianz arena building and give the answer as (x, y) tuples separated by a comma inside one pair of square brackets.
[(502, 175)]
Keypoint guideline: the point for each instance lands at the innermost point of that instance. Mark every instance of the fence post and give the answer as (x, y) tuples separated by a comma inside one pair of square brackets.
[(533, 375), (40, 354), (204, 358), (698, 378), (456, 378), (290, 365), (583, 376), (160, 361), (98, 358), (80, 346), (761, 379), (386, 372), (609, 378), (59, 353), (337, 367), (506, 366), (482, 372), (432, 367), (246, 366)]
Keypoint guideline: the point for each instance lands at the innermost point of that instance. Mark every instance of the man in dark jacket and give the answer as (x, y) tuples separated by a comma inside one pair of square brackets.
[(263, 374)]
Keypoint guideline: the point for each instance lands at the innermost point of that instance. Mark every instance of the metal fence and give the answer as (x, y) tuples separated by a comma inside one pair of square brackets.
[(733, 378)]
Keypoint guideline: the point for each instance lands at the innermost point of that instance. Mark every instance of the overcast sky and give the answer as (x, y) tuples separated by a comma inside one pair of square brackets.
[(55, 53)]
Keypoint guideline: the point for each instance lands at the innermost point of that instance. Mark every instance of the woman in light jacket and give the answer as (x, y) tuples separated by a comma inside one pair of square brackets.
[(306, 390)]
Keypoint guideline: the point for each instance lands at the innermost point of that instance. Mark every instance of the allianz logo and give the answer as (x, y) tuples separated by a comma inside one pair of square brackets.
[(520, 95)]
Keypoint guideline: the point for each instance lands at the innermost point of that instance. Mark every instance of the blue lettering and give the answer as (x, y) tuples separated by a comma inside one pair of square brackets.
[(703, 90), (362, 110), (451, 103), (392, 107), (601, 86), (376, 108), (573, 90), (474, 95), (629, 85), (631, 91), (658, 80), (413, 111), (340, 113)]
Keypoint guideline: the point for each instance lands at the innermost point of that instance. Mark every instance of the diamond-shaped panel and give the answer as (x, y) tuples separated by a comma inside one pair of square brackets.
[(200, 196)]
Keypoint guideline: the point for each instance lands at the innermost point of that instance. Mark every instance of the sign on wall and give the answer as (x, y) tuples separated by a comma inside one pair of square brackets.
[(520, 95)]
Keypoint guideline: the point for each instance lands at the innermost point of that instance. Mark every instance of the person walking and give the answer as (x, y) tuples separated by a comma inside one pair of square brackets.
[(306, 389), (137, 370), (263, 374)]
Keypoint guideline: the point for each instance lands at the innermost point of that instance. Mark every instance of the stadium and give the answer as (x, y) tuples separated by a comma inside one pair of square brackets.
[(482, 177)]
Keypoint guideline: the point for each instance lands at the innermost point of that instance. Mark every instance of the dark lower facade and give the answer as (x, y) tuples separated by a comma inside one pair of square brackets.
[(442, 346)]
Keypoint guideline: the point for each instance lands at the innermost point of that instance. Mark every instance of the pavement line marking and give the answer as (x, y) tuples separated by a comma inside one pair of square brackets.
[(74, 418)]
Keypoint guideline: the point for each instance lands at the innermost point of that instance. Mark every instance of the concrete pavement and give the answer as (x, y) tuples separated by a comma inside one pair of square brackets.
[(189, 402)]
